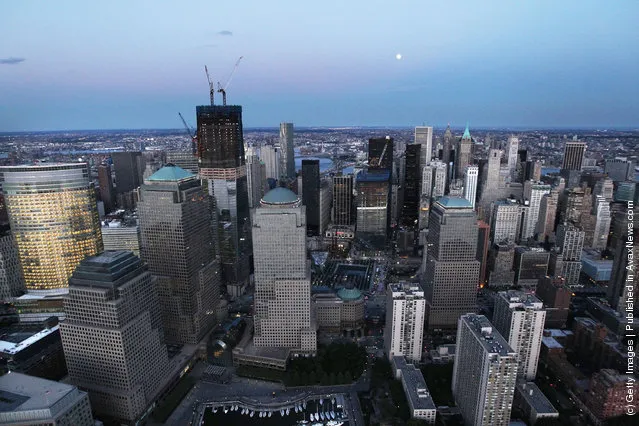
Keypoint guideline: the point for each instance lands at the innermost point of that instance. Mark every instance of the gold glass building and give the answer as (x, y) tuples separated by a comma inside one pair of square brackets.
[(53, 215)]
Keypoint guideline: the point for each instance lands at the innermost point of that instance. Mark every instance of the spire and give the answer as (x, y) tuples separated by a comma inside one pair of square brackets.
[(466, 133)]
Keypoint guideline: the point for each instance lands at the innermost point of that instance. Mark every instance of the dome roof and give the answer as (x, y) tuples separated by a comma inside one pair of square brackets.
[(349, 294), (279, 196), (170, 173)]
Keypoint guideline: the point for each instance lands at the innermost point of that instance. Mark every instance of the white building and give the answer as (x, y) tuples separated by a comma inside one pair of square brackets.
[(513, 147), (533, 193), (484, 374), (28, 400), (255, 180), (117, 235), (434, 179), (405, 311), (470, 184), (282, 277), (270, 155), (602, 223), (424, 137), (520, 318), (505, 222)]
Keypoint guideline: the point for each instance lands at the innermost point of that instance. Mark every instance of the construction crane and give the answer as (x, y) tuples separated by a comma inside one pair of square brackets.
[(381, 157), (211, 86), (192, 134), (221, 89)]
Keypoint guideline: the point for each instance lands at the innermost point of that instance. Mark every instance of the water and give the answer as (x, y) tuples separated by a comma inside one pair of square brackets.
[(325, 164)]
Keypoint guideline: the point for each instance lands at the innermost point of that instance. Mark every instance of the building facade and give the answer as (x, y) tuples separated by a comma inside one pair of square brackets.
[(287, 151), (177, 244), (470, 184), (112, 336), (343, 200), (54, 218), (311, 195), (405, 314)]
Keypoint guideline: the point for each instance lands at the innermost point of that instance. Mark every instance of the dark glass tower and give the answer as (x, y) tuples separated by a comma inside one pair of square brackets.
[(412, 190), (223, 167), (343, 199), (380, 153), (129, 170), (311, 195), (106, 187)]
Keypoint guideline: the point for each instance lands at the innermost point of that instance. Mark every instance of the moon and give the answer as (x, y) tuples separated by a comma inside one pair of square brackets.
[(398, 56)]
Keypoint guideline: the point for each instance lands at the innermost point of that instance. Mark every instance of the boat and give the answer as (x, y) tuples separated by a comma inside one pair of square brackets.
[(304, 405), (270, 413), (302, 422), (332, 413), (312, 417), (226, 410), (322, 415), (288, 411), (214, 410), (252, 413), (282, 412), (321, 401)]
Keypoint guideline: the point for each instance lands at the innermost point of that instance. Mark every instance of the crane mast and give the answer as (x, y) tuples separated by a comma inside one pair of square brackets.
[(221, 89), (211, 86)]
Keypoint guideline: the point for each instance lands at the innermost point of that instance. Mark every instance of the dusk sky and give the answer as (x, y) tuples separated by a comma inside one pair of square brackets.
[(135, 64)]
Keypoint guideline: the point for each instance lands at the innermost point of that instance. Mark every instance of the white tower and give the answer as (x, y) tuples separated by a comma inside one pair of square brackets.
[(470, 184), (405, 310)]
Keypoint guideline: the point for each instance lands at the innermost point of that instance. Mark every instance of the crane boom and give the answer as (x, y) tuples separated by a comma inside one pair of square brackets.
[(191, 133), (381, 157), (211, 86), (221, 89)]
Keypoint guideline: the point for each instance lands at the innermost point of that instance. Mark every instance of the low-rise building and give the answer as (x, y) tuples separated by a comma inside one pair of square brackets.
[(28, 401), (607, 395), (420, 402), (533, 403)]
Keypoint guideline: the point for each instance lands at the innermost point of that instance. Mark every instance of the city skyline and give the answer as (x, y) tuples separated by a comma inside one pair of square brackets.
[(526, 65)]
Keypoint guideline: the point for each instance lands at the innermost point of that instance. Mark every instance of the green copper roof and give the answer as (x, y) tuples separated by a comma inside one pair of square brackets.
[(466, 133), (455, 203), (170, 173), (280, 195), (348, 294)]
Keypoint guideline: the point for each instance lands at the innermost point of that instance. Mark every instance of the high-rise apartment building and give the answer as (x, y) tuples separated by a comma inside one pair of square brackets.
[(282, 277), (107, 193), (412, 187), (470, 184), (506, 221), (424, 137), (434, 179), (511, 152), (574, 152), (570, 240), (223, 168), (405, 311), (255, 180), (606, 398), (54, 218), (602, 223), (464, 154), (270, 155), (177, 244), (451, 267), (533, 194), (11, 280), (112, 336), (287, 151), (129, 170), (342, 199), (484, 374), (311, 195), (519, 317)]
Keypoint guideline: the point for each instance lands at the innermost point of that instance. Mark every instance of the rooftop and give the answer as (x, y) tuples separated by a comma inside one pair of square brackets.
[(19, 392), (12, 348), (348, 294), (415, 387), (373, 176), (551, 343), (535, 398), (522, 299), (108, 269), (455, 203), (280, 196), (170, 173), (492, 341)]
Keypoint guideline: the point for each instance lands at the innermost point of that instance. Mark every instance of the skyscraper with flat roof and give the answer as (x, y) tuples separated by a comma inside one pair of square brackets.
[(405, 309), (380, 153), (424, 138), (311, 195), (470, 184), (129, 169), (282, 277), (412, 187), (574, 152), (287, 151), (451, 267), (177, 243), (54, 218), (533, 193), (342, 199), (107, 193), (520, 319), (511, 150), (223, 168), (484, 374), (112, 336)]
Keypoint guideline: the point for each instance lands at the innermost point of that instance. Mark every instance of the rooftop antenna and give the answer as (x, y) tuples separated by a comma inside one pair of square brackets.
[(211, 86), (221, 89)]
